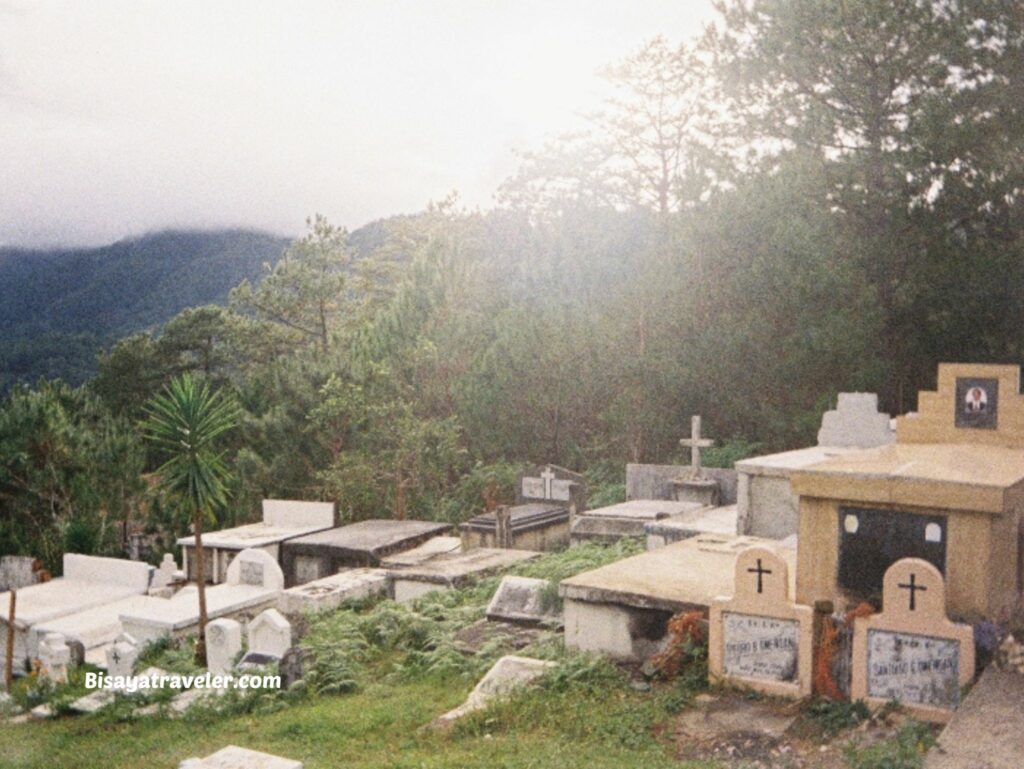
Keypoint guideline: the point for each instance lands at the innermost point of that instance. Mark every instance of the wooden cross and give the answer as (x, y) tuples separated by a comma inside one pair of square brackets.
[(913, 587), (548, 477), (760, 571), (695, 443)]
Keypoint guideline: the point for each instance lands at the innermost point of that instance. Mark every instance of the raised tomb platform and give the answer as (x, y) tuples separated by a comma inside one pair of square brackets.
[(88, 582), (622, 609), (283, 519)]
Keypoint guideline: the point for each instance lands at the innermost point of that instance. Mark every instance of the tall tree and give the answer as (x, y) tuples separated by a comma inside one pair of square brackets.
[(185, 422)]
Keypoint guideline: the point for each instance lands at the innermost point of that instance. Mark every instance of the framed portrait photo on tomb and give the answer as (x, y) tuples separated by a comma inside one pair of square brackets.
[(977, 403)]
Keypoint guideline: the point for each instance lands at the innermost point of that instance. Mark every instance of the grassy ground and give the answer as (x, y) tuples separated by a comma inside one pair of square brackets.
[(383, 673)]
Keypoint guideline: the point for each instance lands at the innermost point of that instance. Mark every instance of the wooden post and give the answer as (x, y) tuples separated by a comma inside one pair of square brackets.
[(9, 662), (503, 527)]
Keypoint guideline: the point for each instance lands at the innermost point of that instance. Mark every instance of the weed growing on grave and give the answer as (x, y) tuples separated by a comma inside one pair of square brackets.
[(418, 638), (904, 750), (830, 717)]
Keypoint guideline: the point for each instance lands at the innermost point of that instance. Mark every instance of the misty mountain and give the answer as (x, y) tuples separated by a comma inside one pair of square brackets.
[(59, 307)]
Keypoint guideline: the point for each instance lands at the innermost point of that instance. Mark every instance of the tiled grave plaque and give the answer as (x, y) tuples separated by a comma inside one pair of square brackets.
[(911, 652), (759, 638)]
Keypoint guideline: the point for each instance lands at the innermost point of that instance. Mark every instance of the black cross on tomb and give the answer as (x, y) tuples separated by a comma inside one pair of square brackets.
[(913, 587), (760, 571)]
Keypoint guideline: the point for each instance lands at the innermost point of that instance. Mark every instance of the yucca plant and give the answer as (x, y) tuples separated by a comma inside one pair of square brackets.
[(184, 422)]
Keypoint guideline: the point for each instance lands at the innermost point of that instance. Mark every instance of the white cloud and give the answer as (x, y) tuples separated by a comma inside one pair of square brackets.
[(121, 117)]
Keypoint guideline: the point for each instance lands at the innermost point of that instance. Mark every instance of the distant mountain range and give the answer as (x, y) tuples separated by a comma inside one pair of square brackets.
[(59, 307)]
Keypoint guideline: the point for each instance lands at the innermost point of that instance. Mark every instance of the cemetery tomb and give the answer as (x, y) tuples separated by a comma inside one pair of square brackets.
[(94, 628), (759, 638), (314, 556), (233, 757), (88, 582), (949, 492), (452, 570), (254, 583), (622, 609), (767, 506), (911, 652), (547, 498), (283, 519), (700, 500), (419, 555), (331, 592)]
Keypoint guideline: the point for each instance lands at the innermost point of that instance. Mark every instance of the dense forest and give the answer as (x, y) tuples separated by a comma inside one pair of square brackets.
[(60, 307), (813, 197)]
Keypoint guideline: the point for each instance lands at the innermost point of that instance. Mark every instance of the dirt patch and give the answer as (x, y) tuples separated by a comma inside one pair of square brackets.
[(745, 733)]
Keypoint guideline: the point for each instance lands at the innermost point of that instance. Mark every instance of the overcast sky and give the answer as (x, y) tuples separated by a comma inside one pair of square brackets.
[(118, 118)]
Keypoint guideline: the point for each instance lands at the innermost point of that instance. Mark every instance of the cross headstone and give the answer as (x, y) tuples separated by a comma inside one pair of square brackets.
[(911, 652), (759, 638), (695, 443), (122, 656), (223, 643), (54, 658), (547, 476)]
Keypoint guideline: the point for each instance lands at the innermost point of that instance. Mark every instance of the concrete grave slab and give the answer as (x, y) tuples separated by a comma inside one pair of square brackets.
[(234, 757), (759, 638), (856, 423), (508, 674), (911, 652), (88, 582), (418, 555), (448, 571), (627, 519), (987, 730), (283, 520), (622, 609), (331, 592), (94, 628), (254, 583), (708, 520), (524, 601), (363, 544)]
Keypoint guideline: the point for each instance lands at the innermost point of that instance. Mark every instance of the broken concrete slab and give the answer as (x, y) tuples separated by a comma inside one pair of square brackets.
[(429, 549), (331, 592), (363, 544), (452, 570), (708, 520), (987, 730), (626, 519), (508, 674), (525, 601)]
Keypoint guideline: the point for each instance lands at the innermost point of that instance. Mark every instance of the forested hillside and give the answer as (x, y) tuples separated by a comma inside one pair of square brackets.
[(816, 197), (59, 307)]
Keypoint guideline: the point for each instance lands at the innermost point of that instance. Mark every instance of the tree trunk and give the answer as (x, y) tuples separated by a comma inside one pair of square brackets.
[(201, 585)]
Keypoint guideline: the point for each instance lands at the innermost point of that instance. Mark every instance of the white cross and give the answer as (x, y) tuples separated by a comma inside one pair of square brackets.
[(548, 476), (695, 443)]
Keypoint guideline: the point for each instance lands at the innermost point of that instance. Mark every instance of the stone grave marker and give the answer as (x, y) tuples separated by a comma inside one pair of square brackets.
[(759, 638), (234, 757), (292, 667), (164, 574), (270, 635), (122, 656), (257, 568), (695, 485), (524, 601), (911, 652), (54, 658), (223, 643)]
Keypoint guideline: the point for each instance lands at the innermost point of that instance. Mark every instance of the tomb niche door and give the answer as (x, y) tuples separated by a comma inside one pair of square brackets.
[(870, 541)]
